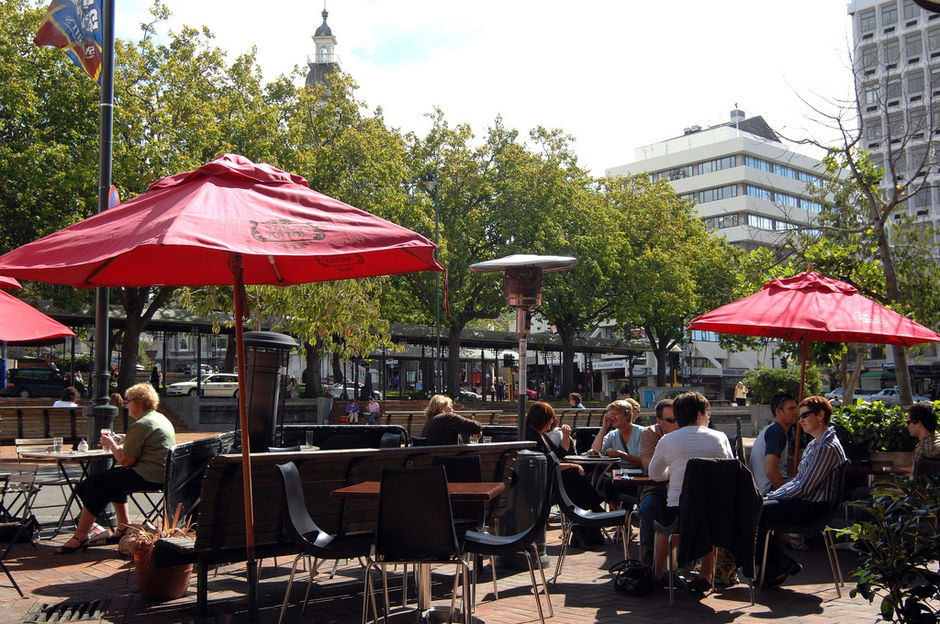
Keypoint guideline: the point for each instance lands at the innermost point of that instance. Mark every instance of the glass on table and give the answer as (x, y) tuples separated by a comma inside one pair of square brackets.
[(310, 437), (57, 445)]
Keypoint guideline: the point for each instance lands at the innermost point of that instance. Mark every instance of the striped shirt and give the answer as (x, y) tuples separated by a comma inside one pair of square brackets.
[(821, 457)]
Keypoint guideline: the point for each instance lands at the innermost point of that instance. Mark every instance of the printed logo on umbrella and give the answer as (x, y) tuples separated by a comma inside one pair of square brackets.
[(294, 233)]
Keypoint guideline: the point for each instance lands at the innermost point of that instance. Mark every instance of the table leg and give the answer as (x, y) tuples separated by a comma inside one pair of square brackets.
[(69, 499)]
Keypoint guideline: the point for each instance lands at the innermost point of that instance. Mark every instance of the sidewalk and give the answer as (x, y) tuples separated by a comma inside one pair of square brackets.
[(584, 593)]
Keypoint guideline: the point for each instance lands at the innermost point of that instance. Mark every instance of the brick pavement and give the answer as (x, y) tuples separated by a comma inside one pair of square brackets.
[(583, 594)]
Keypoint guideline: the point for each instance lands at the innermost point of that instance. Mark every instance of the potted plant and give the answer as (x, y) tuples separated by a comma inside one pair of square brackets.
[(165, 582), (874, 432)]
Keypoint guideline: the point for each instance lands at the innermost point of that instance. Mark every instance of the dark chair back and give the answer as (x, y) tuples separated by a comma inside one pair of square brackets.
[(390, 440), (463, 469), (501, 433), (583, 437), (297, 520), (927, 466), (227, 442), (186, 465), (414, 521)]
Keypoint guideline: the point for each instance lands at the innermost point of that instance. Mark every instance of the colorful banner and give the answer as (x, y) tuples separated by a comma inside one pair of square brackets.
[(75, 27)]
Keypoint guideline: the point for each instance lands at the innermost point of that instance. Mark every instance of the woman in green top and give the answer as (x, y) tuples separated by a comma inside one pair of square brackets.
[(139, 459)]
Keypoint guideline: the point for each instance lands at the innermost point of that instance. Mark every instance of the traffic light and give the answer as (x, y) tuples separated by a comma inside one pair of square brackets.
[(507, 360)]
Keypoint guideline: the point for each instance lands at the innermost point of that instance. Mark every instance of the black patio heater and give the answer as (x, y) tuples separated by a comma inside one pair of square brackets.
[(523, 282), (266, 353)]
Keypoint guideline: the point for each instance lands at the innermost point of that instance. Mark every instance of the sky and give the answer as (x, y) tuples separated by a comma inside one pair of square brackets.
[(614, 74)]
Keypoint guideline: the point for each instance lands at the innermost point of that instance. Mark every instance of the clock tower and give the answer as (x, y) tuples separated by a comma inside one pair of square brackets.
[(324, 62)]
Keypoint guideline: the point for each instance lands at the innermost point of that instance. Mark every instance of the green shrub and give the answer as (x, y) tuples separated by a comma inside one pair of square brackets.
[(872, 428), (762, 383)]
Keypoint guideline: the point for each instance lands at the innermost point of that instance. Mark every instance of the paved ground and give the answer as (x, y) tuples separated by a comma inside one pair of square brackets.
[(583, 594)]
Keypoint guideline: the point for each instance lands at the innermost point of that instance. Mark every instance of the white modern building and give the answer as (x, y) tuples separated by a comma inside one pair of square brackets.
[(747, 186)]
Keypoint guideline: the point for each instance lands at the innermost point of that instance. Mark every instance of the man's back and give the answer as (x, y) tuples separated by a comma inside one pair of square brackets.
[(675, 449)]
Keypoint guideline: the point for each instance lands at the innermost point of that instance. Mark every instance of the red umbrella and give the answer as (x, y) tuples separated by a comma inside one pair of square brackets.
[(21, 322), (8, 282), (230, 221), (811, 307)]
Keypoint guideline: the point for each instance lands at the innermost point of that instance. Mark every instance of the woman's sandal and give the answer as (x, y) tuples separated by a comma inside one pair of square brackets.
[(65, 549), (115, 537)]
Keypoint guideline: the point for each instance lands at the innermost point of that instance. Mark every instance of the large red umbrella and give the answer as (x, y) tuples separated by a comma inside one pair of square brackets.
[(811, 307), (21, 322), (230, 221)]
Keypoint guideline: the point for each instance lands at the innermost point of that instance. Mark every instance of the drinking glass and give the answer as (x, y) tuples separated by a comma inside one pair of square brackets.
[(57, 445), (310, 437)]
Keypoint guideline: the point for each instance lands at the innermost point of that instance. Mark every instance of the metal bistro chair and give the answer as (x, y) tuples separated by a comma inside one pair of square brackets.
[(573, 515), (312, 540), (486, 544), (18, 520), (834, 497), (407, 494)]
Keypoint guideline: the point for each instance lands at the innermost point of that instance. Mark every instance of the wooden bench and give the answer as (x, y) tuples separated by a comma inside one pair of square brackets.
[(588, 417), (68, 423), (331, 437), (220, 532), (413, 420)]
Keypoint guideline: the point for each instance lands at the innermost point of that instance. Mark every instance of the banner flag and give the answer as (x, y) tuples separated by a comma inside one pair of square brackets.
[(113, 199), (75, 27)]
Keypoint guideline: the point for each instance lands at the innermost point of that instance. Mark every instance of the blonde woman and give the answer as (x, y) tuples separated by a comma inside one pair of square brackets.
[(443, 426), (619, 436)]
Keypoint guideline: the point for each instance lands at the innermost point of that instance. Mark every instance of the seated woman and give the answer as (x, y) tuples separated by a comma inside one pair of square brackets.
[(443, 425), (539, 420), (373, 411), (68, 398), (140, 459)]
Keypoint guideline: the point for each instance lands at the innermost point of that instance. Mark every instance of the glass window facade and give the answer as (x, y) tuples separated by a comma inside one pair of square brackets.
[(913, 46), (721, 222), (911, 10), (759, 193), (866, 21), (715, 194), (889, 15), (892, 52), (759, 222)]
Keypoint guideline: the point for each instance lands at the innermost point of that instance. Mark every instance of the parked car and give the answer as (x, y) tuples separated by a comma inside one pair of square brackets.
[(468, 395), (35, 382), (214, 385), (892, 396), (835, 397), (336, 391)]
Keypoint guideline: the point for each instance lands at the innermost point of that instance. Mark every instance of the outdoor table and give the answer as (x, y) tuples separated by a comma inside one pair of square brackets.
[(870, 471), (599, 465), (83, 459), (459, 492)]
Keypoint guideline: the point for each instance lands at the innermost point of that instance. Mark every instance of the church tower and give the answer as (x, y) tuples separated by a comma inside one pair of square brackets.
[(324, 61)]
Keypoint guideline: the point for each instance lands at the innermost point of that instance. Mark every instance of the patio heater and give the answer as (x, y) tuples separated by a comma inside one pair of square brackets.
[(266, 353), (523, 282)]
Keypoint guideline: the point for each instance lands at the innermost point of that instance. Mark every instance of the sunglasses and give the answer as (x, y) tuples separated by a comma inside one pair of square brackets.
[(671, 421), (805, 414)]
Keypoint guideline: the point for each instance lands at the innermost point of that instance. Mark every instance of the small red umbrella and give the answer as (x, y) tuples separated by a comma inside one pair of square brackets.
[(21, 322), (230, 221), (9, 282), (811, 307)]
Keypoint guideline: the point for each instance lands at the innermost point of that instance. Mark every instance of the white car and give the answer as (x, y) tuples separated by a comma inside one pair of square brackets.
[(336, 391), (214, 385), (892, 396), (835, 397)]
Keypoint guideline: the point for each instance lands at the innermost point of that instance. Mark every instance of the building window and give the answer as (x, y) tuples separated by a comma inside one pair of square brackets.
[(893, 92), (810, 178), (718, 164), (759, 193), (917, 120), (933, 42), (783, 170), (704, 336), (785, 199), (915, 83), (889, 15), (810, 206), (913, 47), (911, 10), (870, 96), (872, 129), (895, 126), (721, 222), (892, 53), (870, 58), (866, 21), (715, 194), (759, 222), (757, 163)]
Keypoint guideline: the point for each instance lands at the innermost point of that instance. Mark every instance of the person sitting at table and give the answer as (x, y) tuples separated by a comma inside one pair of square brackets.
[(922, 424), (619, 436), (768, 455), (693, 438), (68, 398), (652, 503), (803, 498), (443, 425), (139, 457), (352, 412), (540, 419), (373, 411)]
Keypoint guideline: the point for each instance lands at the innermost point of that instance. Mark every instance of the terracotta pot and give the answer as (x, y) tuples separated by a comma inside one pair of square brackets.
[(165, 583)]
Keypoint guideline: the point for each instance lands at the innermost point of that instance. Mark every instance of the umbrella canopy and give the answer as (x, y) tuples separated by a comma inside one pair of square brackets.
[(183, 230), (21, 322), (229, 222), (9, 282), (812, 307)]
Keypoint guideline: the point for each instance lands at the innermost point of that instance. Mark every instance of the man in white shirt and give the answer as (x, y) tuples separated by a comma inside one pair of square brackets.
[(768, 455), (693, 438)]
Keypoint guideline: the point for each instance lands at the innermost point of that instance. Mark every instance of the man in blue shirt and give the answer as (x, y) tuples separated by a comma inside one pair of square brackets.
[(803, 498), (768, 455)]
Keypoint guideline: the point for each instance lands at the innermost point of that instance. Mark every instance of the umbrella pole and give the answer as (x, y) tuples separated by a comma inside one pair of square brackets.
[(239, 294), (804, 354)]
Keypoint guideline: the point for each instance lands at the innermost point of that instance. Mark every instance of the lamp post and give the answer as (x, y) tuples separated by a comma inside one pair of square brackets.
[(430, 182), (523, 282)]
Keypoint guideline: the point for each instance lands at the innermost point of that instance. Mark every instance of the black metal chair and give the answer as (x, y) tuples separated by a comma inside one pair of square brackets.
[(486, 544), (583, 438), (310, 539), (572, 515), (468, 516), (834, 497), (16, 518), (926, 466), (407, 494), (729, 520), (390, 440)]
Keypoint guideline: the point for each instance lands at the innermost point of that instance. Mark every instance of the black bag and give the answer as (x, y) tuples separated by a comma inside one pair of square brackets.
[(633, 577)]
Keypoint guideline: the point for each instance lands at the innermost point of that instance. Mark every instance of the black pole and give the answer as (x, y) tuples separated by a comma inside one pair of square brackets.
[(100, 414)]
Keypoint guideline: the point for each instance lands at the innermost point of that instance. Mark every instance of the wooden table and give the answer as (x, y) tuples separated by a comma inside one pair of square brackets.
[(83, 459), (478, 492)]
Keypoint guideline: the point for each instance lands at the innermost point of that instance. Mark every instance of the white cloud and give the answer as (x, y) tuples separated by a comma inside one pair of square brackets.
[(616, 74)]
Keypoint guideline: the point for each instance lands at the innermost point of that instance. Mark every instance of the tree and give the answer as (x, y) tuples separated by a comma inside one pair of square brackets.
[(671, 267)]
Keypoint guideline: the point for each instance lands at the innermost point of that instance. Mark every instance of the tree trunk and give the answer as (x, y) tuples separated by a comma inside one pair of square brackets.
[(567, 362), (312, 378), (453, 353), (662, 362), (894, 295), (338, 374), (230, 354)]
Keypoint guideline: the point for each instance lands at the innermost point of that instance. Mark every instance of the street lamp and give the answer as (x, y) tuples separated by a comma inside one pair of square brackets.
[(430, 182), (523, 282)]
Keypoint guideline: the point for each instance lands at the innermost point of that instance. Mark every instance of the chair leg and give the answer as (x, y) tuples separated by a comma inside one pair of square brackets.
[(830, 547), (314, 568), (763, 563), (6, 571), (493, 571), (671, 565), (535, 587), (290, 582), (565, 535), (538, 560)]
